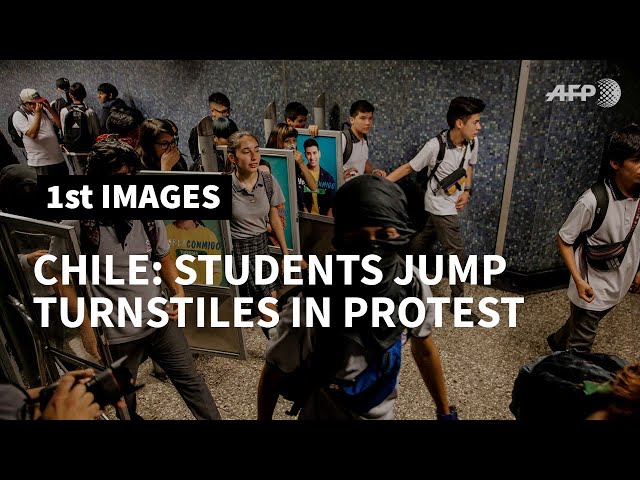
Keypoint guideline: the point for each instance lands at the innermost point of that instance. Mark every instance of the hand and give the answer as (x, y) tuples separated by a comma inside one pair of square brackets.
[(635, 286), (313, 130), (585, 291), (350, 172), (71, 401), (38, 108), (297, 156), (34, 256), (379, 172), (169, 158), (462, 201), (46, 105), (172, 308)]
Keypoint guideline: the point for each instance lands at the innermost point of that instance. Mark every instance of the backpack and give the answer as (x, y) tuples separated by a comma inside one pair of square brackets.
[(599, 189), (16, 136), (348, 148), (268, 185), (383, 347), (415, 190), (90, 237), (565, 386), (77, 136)]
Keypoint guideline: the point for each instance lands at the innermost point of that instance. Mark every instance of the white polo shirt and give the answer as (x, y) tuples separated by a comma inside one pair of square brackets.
[(359, 154), (44, 149), (611, 286), (440, 203)]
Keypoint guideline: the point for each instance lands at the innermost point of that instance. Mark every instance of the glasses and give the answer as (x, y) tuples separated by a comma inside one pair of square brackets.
[(166, 145), (226, 111)]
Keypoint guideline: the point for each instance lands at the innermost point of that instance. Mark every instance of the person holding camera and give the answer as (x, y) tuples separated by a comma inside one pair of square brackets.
[(70, 400), (450, 158)]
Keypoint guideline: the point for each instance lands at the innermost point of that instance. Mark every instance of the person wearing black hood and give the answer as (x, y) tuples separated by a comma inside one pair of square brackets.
[(370, 218)]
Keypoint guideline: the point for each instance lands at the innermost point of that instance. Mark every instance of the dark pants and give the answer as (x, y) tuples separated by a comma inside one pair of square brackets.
[(447, 229), (579, 331), (168, 347), (59, 169)]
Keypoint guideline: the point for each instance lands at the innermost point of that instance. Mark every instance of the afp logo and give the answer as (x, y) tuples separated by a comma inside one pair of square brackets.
[(609, 93)]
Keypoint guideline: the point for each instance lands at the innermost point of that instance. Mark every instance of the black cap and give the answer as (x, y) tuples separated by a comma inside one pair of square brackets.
[(63, 83)]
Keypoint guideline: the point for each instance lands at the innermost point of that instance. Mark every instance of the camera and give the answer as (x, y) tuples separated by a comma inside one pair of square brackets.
[(107, 386)]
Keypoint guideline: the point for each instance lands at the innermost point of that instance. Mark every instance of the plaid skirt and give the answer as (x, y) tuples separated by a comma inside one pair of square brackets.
[(253, 246)]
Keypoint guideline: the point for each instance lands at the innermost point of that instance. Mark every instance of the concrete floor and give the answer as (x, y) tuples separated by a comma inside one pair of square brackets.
[(480, 364)]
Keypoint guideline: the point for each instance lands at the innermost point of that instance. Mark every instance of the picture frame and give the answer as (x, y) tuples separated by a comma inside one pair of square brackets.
[(57, 348), (283, 170), (327, 153)]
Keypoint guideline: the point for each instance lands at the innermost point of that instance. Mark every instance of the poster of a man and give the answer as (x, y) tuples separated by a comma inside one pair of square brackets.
[(320, 201)]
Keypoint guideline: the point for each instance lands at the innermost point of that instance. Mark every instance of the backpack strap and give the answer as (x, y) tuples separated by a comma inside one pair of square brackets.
[(348, 146), (599, 189), (442, 144), (268, 185), (90, 237), (151, 229)]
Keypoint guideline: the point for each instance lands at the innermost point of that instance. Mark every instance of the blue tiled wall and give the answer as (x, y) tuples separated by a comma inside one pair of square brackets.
[(559, 150), (559, 157)]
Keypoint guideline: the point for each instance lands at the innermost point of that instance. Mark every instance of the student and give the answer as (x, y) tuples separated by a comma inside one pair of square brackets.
[(62, 89), (219, 107), (597, 286), (77, 141), (355, 147), (295, 114), (36, 120), (370, 217), (118, 240), (158, 146), (442, 205), (255, 196), (222, 128), (320, 201), (108, 97), (284, 136)]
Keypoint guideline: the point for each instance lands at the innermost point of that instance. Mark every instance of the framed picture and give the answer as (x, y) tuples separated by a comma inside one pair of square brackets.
[(323, 156), (282, 166), (207, 237), (55, 348)]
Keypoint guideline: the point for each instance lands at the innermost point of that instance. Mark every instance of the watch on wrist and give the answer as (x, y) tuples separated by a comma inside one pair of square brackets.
[(468, 189)]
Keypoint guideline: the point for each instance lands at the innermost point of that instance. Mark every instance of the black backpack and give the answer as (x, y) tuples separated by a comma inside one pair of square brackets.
[(566, 386), (348, 148), (16, 136), (77, 136)]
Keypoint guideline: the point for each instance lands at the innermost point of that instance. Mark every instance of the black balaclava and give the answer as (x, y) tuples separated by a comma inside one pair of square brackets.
[(18, 184), (368, 201)]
